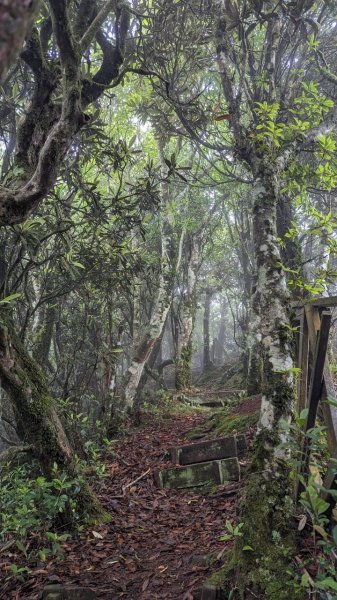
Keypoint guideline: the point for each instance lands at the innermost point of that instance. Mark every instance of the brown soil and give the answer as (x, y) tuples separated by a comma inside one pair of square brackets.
[(156, 544)]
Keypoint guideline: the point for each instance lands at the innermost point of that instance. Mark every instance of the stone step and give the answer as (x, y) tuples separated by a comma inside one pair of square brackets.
[(190, 454), (200, 474)]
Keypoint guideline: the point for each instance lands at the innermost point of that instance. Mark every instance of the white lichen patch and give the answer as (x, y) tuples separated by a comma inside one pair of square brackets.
[(281, 363), (267, 415)]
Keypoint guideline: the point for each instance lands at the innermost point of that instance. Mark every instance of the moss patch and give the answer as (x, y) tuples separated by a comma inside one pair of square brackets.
[(229, 420), (227, 423)]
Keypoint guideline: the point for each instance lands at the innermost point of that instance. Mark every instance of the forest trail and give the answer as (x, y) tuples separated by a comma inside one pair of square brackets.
[(161, 544)]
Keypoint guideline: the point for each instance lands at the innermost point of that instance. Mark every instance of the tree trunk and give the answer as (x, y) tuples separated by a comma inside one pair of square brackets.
[(207, 311), (323, 261), (222, 331), (157, 321), (186, 324), (44, 333), (270, 301), (110, 360), (290, 249), (38, 423)]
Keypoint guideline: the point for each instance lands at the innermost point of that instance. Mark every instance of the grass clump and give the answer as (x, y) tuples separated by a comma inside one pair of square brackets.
[(227, 423)]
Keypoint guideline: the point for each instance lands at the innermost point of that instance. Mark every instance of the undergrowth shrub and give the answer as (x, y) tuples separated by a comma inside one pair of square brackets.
[(32, 508), (324, 529)]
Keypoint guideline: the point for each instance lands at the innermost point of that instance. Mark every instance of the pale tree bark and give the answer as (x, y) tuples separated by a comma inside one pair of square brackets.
[(109, 364), (187, 317), (270, 301), (222, 331), (240, 68), (170, 259), (206, 334), (160, 311), (136, 295), (323, 260)]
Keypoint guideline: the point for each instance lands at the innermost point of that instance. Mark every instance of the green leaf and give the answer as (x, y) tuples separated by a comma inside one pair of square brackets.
[(327, 584), (321, 531), (10, 298), (321, 506)]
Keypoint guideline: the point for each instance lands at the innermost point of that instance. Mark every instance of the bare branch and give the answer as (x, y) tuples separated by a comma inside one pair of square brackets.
[(96, 24)]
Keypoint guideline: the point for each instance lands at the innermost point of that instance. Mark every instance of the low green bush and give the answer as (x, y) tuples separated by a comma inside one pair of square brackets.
[(33, 508)]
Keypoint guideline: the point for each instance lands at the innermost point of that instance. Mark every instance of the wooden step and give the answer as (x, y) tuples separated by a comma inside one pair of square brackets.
[(217, 472), (210, 592), (67, 592), (216, 449)]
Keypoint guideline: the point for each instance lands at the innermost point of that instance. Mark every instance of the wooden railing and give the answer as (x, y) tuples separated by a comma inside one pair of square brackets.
[(315, 384)]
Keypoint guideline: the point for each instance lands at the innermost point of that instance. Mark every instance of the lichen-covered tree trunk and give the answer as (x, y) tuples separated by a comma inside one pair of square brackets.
[(270, 303), (136, 294), (186, 324), (109, 364), (323, 261), (266, 500), (157, 321), (38, 423)]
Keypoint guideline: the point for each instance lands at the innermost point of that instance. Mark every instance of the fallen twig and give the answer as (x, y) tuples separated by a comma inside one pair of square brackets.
[(125, 487)]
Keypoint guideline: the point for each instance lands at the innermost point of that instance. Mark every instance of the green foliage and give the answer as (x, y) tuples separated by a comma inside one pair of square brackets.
[(31, 509), (311, 497), (233, 531)]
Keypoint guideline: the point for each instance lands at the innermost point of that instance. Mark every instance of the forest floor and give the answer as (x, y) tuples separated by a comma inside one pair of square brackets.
[(160, 544)]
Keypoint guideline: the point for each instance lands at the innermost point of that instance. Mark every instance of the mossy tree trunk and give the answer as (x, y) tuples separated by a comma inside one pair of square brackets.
[(270, 302), (52, 119), (266, 504), (38, 423)]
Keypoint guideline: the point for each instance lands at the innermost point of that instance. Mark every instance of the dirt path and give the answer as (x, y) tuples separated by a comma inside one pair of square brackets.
[(161, 544)]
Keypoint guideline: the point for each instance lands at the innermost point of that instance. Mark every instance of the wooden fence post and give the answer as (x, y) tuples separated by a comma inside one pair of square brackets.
[(303, 363), (316, 383)]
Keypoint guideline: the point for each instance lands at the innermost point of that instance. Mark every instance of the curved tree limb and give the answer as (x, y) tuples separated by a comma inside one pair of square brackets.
[(49, 125)]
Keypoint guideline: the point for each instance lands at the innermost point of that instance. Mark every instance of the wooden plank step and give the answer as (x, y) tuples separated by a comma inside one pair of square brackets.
[(200, 474), (67, 592), (210, 592), (225, 447)]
